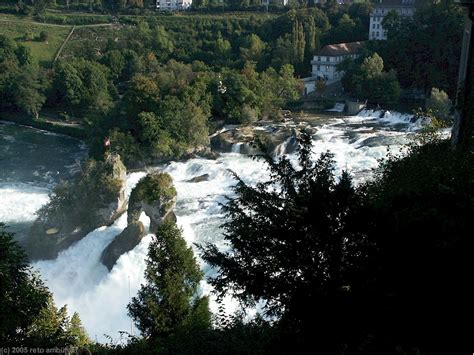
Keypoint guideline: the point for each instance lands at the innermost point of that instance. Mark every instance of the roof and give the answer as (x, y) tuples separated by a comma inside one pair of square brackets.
[(340, 49), (395, 3)]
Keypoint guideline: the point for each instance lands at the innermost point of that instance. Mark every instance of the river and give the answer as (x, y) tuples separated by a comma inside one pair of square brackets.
[(33, 161)]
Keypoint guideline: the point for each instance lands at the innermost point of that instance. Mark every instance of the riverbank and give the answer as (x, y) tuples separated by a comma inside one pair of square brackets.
[(74, 130)]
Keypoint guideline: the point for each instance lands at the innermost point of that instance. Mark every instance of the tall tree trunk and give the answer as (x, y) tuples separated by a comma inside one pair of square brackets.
[(461, 136)]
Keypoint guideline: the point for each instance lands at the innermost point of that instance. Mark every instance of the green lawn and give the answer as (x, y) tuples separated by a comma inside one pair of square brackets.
[(42, 52)]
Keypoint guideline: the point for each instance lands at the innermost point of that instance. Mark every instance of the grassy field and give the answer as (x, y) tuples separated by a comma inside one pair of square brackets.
[(42, 52)]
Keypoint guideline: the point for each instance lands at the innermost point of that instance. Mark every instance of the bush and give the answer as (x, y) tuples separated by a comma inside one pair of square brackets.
[(43, 36), (155, 187), (74, 20), (439, 103), (28, 36)]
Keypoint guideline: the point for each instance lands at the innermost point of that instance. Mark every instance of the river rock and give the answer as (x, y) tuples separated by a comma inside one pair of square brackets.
[(96, 197), (156, 196), (223, 142), (158, 213), (279, 139), (200, 178), (124, 242)]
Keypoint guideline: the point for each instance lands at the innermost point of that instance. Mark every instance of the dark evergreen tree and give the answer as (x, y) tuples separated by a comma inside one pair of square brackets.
[(168, 303), (22, 293), (299, 243), (28, 315), (54, 328)]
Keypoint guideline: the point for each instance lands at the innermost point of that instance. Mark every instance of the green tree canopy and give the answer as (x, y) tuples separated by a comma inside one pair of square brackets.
[(365, 79)]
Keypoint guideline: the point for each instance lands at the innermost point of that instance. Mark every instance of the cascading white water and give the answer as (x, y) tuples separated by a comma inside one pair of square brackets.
[(280, 149), (236, 147), (338, 107), (77, 277)]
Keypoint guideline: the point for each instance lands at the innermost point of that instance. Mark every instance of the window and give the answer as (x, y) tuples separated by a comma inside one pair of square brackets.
[(377, 34), (319, 58), (378, 26), (319, 68), (327, 59), (373, 26)]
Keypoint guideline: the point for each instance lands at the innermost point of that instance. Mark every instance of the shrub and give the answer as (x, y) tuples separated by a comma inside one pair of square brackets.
[(439, 103), (43, 36), (155, 187)]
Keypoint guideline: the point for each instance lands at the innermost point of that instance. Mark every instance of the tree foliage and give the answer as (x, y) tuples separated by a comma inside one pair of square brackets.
[(23, 294), (168, 302), (439, 103), (365, 79), (298, 242), (424, 55), (28, 315), (54, 328)]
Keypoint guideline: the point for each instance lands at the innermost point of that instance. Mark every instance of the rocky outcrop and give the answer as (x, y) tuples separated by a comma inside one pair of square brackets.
[(158, 214), (157, 197), (96, 197), (278, 139), (154, 195), (124, 242)]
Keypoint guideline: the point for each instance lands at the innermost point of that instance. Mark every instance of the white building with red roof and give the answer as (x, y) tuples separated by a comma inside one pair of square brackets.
[(325, 61)]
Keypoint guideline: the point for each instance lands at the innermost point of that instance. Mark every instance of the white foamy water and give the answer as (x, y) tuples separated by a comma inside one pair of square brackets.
[(19, 202), (78, 279)]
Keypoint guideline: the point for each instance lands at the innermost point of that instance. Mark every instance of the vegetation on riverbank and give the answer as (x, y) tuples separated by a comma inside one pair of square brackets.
[(42, 41), (28, 316), (144, 81)]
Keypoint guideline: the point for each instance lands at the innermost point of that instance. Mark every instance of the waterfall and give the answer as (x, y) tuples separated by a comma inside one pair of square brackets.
[(281, 148), (77, 278), (236, 147)]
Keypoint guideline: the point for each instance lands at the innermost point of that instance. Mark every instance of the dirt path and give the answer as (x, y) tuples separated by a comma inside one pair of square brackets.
[(64, 44)]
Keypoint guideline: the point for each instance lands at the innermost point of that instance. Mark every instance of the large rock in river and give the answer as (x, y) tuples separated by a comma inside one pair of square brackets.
[(124, 242), (278, 139), (156, 196), (96, 197)]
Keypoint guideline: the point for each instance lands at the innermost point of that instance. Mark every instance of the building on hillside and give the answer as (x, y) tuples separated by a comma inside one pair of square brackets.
[(405, 8), (173, 5), (325, 61), (274, 3)]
